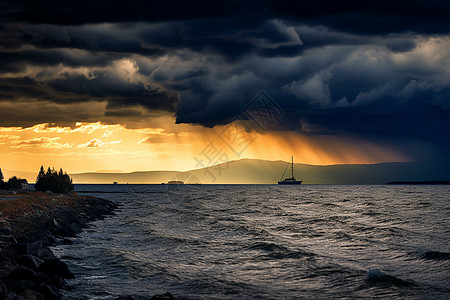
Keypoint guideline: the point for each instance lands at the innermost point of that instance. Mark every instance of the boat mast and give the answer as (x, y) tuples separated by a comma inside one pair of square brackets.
[(292, 167)]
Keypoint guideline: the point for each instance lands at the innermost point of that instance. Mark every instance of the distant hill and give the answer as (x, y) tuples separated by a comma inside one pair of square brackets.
[(134, 177), (269, 172)]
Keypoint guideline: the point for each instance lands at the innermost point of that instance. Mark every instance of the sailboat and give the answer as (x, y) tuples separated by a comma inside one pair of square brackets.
[(291, 180)]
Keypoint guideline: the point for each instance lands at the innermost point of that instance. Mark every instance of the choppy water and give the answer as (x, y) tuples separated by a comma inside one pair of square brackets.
[(266, 242)]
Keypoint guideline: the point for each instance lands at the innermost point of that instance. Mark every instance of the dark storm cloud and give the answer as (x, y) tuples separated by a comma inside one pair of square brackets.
[(18, 60), (81, 12), (373, 16), (222, 36), (24, 89), (360, 67), (68, 88), (401, 45)]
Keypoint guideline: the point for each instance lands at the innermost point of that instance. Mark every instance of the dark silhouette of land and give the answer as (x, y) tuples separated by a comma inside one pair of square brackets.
[(30, 223), (255, 171), (56, 182), (14, 183)]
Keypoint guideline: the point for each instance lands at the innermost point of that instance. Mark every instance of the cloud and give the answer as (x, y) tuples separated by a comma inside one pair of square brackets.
[(7, 139), (157, 140), (363, 68), (43, 142), (157, 135), (315, 89), (108, 133), (96, 143), (47, 127), (145, 140), (115, 142), (358, 16)]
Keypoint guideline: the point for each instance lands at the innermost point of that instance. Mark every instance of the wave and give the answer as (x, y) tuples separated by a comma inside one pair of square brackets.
[(435, 255), (267, 247), (70, 257), (275, 251), (254, 232), (377, 277)]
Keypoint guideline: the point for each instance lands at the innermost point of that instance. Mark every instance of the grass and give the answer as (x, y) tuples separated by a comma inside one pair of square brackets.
[(24, 204)]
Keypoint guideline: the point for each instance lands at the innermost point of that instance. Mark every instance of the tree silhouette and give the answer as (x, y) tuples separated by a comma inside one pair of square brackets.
[(3, 185), (39, 186), (57, 182), (14, 183)]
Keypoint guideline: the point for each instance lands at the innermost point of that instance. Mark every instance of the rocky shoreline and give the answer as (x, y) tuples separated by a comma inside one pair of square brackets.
[(30, 224)]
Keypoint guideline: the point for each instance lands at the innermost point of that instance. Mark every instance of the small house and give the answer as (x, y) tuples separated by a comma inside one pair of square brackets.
[(24, 184)]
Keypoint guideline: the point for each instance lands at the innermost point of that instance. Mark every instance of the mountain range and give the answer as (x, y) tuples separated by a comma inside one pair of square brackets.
[(256, 171)]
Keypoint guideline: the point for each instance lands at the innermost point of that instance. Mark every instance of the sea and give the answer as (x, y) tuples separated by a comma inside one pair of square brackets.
[(265, 242)]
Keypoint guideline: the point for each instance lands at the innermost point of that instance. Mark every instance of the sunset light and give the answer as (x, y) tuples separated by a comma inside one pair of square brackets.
[(226, 149), (88, 147)]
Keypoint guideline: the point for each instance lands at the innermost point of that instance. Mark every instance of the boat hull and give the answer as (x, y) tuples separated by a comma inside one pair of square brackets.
[(297, 182)]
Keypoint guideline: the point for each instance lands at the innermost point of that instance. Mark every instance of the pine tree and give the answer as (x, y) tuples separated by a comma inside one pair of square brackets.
[(40, 180), (57, 182), (3, 185), (41, 172)]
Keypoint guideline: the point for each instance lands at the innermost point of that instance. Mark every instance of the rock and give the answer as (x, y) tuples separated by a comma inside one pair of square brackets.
[(73, 228), (43, 278), (166, 296), (81, 223), (36, 248), (50, 240), (20, 286), (64, 229), (31, 294), (3, 291), (22, 248), (56, 267), (125, 298), (67, 242), (52, 279), (37, 230), (57, 281), (48, 292), (5, 229), (7, 239), (22, 273), (6, 267), (61, 222), (27, 260), (47, 254)]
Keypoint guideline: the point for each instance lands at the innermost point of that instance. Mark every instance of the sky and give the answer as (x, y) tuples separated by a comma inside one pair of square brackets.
[(178, 85)]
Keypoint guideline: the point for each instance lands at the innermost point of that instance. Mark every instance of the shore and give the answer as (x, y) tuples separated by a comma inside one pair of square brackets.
[(32, 222)]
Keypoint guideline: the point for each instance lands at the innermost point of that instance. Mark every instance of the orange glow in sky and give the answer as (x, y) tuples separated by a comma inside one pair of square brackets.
[(95, 146)]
